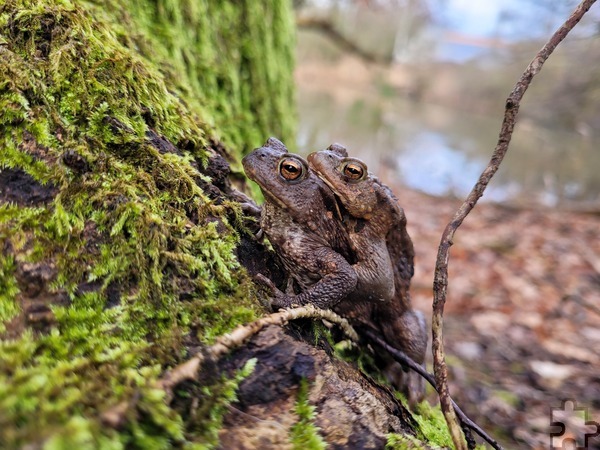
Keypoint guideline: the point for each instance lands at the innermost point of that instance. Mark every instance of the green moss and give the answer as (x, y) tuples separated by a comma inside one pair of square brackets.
[(304, 434), (432, 425), (241, 74), (433, 431), (139, 255), (403, 442), (216, 398), (9, 308)]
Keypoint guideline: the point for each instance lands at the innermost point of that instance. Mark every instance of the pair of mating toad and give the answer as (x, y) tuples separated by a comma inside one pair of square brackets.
[(342, 238)]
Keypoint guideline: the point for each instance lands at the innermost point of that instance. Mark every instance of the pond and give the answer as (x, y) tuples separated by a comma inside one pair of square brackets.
[(438, 149), (442, 152)]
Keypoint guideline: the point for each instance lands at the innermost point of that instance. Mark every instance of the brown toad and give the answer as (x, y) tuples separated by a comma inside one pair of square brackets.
[(299, 218), (373, 219)]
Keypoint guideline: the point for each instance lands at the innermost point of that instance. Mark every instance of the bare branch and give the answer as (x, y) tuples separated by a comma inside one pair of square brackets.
[(440, 282), (230, 341)]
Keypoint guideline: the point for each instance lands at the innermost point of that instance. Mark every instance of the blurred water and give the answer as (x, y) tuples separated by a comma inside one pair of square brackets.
[(442, 151), (463, 55)]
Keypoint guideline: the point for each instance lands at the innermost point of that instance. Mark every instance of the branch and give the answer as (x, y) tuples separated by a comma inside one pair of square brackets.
[(406, 360), (440, 282), (326, 27), (190, 370), (228, 342)]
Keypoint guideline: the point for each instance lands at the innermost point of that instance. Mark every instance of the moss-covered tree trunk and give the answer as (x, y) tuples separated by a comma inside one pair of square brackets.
[(119, 230), (116, 233)]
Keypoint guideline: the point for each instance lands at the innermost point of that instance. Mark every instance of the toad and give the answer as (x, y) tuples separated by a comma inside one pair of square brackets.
[(300, 219), (373, 219)]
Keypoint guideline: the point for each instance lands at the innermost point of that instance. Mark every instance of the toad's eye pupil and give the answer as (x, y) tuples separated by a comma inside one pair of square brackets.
[(354, 171), (290, 169)]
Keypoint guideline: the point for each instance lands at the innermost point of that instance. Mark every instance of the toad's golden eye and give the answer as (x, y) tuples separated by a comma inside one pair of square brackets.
[(354, 171), (291, 169)]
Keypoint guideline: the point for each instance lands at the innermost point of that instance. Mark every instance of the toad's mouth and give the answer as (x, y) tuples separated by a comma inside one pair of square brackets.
[(267, 193)]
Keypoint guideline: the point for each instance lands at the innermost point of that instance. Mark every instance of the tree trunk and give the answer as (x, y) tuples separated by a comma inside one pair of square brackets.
[(122, 237)]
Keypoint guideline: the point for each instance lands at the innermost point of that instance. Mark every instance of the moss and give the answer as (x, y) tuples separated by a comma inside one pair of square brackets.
[(215, 400), (242, 74), (403, 442), (9, 308), (432, 425), (433, 431), (304, 434), (138, 258)]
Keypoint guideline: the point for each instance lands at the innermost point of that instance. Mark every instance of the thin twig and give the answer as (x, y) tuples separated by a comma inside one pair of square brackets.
[(440, 283), (230, 341), (190, 370), (406, 360)]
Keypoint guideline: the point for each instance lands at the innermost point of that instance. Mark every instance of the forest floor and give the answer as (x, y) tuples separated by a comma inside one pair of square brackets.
[(522, 322)]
